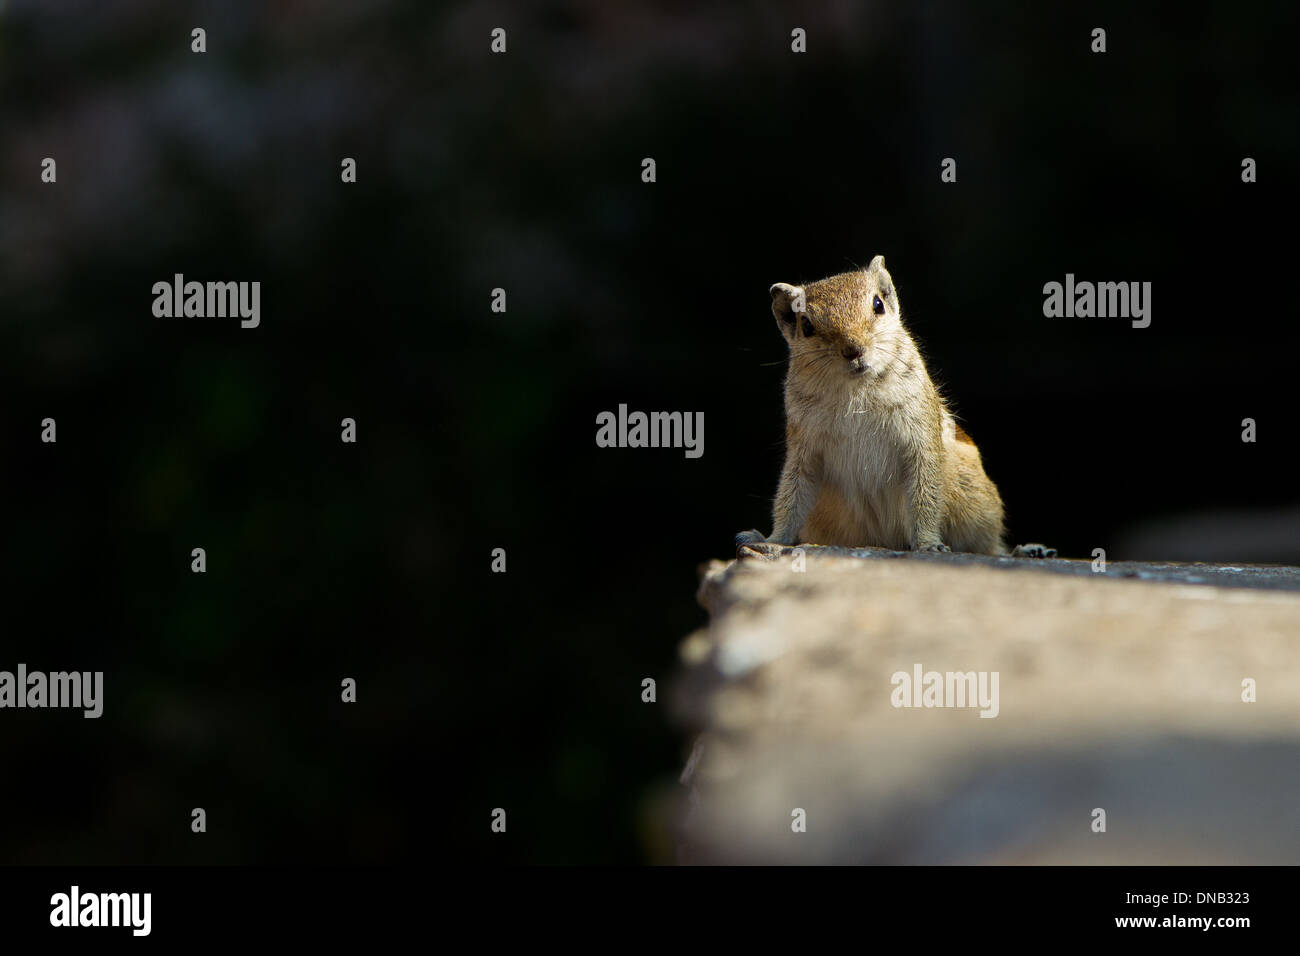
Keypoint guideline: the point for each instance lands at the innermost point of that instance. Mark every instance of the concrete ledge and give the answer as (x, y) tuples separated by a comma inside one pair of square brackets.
[(1121, 692)]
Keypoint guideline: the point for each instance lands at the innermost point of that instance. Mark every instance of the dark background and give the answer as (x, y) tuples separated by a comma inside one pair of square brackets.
[(476, 429)]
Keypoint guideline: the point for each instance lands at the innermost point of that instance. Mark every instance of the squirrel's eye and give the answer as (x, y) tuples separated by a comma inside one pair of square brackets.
[(808, 329), (877, 306)]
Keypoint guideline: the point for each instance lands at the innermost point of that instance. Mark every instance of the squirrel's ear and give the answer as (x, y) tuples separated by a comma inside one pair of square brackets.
[(877, 264), (786, 301)]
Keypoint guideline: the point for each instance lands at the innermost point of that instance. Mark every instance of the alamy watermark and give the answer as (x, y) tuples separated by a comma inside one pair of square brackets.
[(83, 690), (211, 300), (1101, 300), (651, 430), (946, 689), (76, 908)]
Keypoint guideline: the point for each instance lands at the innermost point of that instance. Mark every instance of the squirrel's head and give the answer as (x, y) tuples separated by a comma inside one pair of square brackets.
[(834, 325)]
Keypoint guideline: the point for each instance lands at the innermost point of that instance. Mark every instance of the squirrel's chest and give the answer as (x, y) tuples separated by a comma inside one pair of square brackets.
[(863, 498), (864, 453)]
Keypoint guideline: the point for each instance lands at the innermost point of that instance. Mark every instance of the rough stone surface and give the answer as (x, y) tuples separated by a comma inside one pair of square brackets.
[(1120, 691)]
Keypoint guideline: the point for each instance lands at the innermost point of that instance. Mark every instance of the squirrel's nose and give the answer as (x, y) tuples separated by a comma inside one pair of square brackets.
[(851, 352)]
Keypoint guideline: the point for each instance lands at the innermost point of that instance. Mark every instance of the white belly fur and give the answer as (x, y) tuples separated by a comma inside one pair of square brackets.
[(863, 500)]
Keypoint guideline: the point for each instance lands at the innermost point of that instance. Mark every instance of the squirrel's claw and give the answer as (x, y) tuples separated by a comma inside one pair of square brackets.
[(1033, 551)]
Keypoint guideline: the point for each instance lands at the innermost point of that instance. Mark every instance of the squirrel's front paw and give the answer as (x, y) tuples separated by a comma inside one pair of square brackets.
[(752, 544)]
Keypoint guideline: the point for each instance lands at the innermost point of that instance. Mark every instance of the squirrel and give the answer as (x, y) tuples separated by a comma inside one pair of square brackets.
[(873, 455)]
